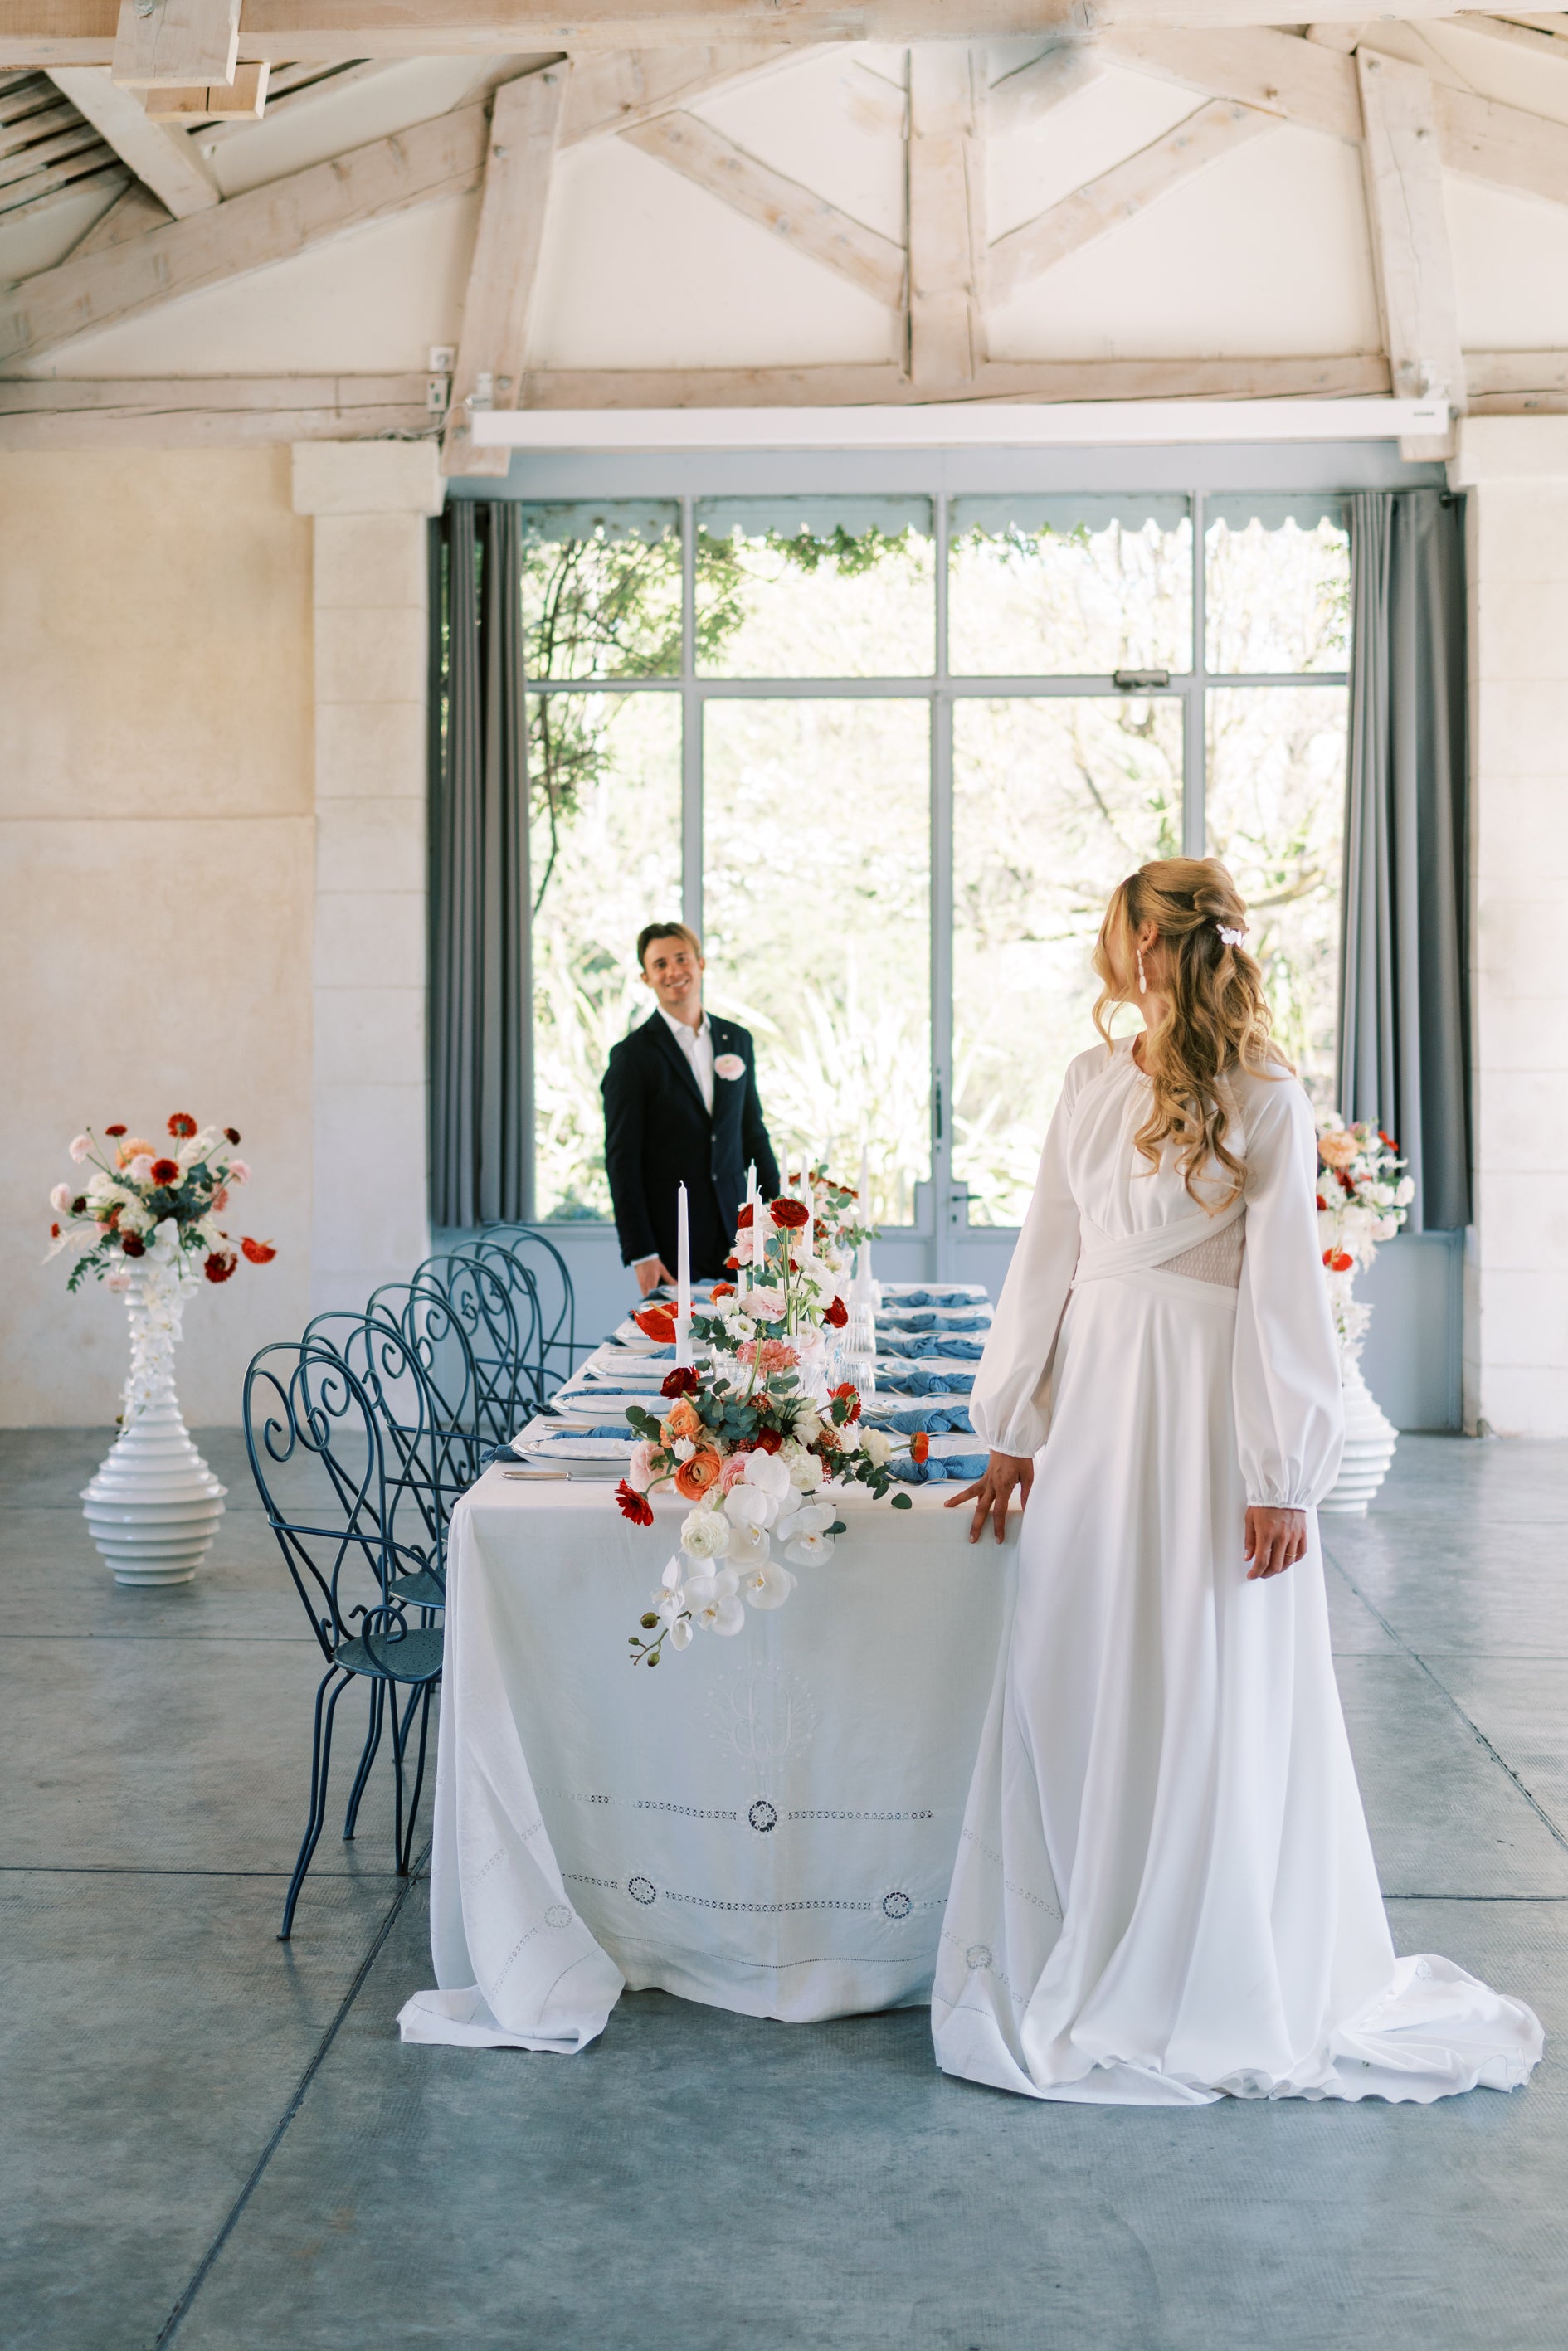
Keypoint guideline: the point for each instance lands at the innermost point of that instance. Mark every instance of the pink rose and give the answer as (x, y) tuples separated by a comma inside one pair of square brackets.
[(61, 1198), (641, 1471), (140, 1168), (81, 1147), (238, 1173), (733, 1472), (730, 1066)]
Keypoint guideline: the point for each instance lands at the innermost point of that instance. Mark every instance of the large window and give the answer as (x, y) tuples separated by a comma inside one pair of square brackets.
[(890, 754)]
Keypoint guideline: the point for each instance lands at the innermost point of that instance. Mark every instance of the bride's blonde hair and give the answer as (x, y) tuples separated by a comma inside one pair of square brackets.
[(1217, 1020)]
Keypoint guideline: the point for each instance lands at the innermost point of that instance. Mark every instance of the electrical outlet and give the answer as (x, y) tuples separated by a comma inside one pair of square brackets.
[(437, 394), (443, 358)]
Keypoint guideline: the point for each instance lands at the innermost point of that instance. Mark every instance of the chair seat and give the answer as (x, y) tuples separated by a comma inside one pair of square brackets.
[(419, 1589), (414, 1656)]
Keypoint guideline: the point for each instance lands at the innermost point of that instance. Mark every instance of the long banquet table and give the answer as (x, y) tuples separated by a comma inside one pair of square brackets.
[(766, 1823)]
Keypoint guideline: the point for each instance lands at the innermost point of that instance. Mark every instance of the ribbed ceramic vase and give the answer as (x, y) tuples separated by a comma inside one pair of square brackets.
[(1370, 1436), (154, 1506)]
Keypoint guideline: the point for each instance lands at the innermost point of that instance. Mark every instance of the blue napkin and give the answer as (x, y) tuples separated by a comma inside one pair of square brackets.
[(932, 1298), (952, 1421), (952, 1470), (901, 1381), (897, 1321), (938, 1343)]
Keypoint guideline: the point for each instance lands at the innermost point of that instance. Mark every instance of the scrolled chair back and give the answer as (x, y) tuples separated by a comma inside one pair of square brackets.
[(547, 1273), (427, 1462), (317, 1456), (499, 1316)]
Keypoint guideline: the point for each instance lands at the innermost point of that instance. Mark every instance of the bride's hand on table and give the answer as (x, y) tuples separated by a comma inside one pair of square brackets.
[(1276, 1539), (1004, 1472)]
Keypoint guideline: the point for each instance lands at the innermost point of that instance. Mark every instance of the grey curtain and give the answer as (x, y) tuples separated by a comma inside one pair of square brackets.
[(1404, 1043), (481, 983)]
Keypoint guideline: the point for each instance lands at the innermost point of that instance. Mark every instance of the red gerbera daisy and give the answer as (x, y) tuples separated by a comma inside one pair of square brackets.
[(165, 1171), (182, 1125), (219, 1265), (633, 1504), (232, 1133), (851, 1395), (258, 1252)]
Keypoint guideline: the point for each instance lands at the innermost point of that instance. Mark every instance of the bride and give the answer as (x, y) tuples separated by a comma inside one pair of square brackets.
[(1164, 1889)]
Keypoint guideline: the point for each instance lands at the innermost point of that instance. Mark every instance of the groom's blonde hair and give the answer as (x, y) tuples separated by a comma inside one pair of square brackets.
[(1218, 1017)]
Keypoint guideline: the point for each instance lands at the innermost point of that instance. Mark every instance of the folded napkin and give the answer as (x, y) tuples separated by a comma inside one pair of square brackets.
[(936, 1343), (935, 1421), (903, 1379), (950, 1468), (932, 1321), (902, 1294)]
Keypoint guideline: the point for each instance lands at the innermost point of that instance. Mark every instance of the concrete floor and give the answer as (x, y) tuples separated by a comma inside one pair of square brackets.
[(212, 2139)]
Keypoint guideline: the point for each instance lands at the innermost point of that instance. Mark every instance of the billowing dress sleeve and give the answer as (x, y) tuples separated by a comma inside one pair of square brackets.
[(1289, 1419), (1010, 1408)]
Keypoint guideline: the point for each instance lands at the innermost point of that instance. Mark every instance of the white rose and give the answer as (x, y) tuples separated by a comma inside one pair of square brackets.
[(792, 1451), (705, 1534), (876, 1446), (806, 1474), (807, 1425), (684, 1448), (135, 1219)]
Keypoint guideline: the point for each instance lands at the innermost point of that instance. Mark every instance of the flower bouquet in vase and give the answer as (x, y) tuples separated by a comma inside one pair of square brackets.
[(145, 1224), (752, 1436), (1362, 1201)]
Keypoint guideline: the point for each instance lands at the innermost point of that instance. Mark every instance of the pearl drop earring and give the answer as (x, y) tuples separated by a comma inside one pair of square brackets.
[(1142, 981)]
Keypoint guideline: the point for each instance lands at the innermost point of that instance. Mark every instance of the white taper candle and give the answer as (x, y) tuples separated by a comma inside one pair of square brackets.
[(683, 1281)]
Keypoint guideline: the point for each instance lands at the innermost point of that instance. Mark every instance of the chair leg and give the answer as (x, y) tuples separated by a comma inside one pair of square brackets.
[(425, 1698), (320, 1763), (373, 1742)]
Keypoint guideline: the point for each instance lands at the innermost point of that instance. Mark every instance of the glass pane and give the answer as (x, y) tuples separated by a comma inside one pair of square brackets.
[(815, 588), (605, 843), (602, 589), (1275, 814), (822, 948), (1060, 587), (1277, 594), (1054, 802)]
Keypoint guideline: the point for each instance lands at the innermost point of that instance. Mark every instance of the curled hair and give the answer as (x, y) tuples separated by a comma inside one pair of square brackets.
[(1217, 1017)]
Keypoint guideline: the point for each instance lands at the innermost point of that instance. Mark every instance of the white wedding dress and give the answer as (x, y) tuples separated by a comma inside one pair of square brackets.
[(1163, 1889)]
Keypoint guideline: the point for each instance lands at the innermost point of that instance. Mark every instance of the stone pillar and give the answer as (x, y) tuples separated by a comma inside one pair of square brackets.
[(1515, 471), (372, 501)]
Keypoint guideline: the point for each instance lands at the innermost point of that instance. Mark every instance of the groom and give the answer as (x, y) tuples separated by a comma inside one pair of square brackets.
[(681, 1107)]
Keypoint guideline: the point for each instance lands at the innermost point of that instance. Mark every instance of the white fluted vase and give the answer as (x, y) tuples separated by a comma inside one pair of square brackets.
[(1370, 1436), (154, 1506)]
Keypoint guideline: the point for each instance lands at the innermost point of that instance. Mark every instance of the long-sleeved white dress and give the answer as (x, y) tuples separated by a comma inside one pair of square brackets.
[(1164, 1889)]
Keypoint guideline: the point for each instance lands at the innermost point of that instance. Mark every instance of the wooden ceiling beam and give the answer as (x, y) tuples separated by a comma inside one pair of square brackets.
[(807, 223), (163, 160), (1402, 168), (1032, 91), (82, 32), (175, 44), (493, 347), (948, 242), (250, 231), (1123, 192)]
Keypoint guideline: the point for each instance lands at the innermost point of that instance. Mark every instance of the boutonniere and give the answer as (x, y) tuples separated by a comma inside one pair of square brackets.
[(729, 1065)]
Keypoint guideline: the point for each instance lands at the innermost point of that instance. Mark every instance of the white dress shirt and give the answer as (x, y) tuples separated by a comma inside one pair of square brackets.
[(696, 1044)]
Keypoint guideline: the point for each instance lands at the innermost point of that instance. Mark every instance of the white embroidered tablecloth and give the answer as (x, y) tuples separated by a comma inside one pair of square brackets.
[(766, 1823)]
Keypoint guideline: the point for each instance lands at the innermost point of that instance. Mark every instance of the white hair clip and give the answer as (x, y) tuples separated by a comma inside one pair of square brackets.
[(1231, 938)]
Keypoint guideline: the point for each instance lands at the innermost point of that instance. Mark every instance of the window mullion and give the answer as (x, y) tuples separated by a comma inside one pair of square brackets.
[(1194, 753), (691, 730)]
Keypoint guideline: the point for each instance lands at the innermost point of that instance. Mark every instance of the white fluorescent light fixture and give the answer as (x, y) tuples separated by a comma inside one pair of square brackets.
[(960, 424)]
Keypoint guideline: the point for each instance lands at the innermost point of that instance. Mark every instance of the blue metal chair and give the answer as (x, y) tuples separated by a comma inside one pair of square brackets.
[(498, 1314), (547, 1271), (318, 1454)]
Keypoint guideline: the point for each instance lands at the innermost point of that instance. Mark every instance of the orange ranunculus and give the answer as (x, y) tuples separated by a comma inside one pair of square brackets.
[(680, 1421), (693, 1477), (131, 1147)]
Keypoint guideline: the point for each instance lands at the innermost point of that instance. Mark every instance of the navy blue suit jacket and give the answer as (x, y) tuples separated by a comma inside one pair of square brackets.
[(658, 1133)]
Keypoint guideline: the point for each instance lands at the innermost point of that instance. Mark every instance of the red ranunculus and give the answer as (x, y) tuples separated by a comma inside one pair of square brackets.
[(182, 1125), (851, 1395), (722, 1290), (633, 1504), (258, 1252), (919, 1445), (733, 1264), (766, 1440), (54, 1232), (1322, 1202), (1338, 1261), (837, 1315), (219, 1265), (232, 1133), (165, 1171), (680, 1381), (79, 1205), (134, 1245), (743, 1221), (116, 1130), (656, 1322), (790, 1215)]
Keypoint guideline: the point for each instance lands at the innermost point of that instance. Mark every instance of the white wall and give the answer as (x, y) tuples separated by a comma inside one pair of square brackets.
[(155, 880)]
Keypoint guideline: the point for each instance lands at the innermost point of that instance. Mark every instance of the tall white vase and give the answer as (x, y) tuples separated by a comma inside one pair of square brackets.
[(154, 1506), (1370, 1436)]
